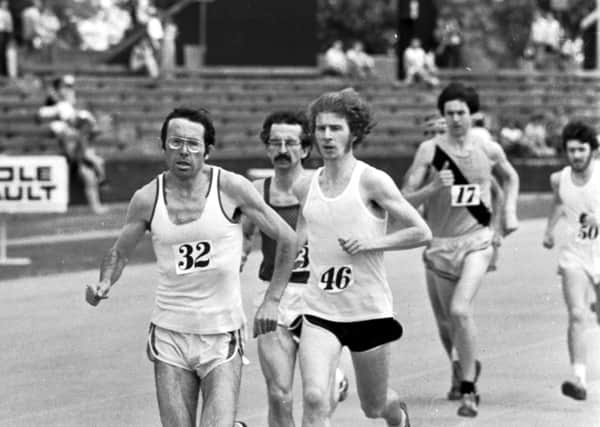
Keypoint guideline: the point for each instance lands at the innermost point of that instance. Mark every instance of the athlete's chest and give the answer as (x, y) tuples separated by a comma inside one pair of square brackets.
[(180, 211)]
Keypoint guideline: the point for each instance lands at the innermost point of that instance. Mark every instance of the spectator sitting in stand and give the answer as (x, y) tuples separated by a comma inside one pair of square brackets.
[(511, 139), (419, 65), (335, 62), (534, 137), (74, 129), (360, 63)]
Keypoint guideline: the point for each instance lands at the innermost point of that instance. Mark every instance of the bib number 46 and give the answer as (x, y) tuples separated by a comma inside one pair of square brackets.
[(336, 279)]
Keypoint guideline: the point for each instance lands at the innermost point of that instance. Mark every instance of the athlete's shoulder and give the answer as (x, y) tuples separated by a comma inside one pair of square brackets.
[(232, 182), (143, 200), (373, 178)]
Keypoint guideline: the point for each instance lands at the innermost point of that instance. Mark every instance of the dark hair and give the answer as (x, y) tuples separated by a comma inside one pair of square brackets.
[(457, 91), (288, 118), (581, 132), (196, 115), (348, 104)]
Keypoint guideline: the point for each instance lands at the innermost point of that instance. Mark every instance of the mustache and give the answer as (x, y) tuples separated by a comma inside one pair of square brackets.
[(283, 157)]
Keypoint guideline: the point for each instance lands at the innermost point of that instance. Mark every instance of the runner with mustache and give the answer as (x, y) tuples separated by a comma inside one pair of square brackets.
[(286, 137)]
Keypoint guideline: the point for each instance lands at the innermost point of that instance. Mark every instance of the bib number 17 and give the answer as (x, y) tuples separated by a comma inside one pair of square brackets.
[(465, 195), (336, 279)]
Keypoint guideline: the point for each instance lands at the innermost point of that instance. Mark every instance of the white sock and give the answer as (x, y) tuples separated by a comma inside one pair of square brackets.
[(579, 371)]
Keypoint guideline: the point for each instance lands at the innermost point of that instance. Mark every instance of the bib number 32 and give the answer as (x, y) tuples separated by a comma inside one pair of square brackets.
[(336, 279), (191, 256)]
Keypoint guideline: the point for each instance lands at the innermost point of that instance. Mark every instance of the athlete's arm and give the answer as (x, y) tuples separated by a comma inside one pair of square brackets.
[(300, 190), (509, 180), (249, 230), (497, 205), (415, 189), (252, 205), (556, 212), (379, 188), (115, 259)]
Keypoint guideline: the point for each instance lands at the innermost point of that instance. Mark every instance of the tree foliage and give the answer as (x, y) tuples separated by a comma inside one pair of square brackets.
[(371, 21)]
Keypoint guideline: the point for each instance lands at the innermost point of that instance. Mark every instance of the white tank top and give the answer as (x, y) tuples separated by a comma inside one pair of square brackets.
[(344, 288), (198, 267), (579, 200)]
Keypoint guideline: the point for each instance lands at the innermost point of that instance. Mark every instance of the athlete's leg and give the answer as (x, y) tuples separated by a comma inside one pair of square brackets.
[(277, 355), (220, 392), (376, 399), (177, 393), (319, 355), (575, 283), (461, 309), (596, 304), (439, 291)]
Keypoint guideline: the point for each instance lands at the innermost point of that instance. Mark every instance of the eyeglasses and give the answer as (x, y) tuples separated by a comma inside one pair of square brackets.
[(287, 143), (193, 146)]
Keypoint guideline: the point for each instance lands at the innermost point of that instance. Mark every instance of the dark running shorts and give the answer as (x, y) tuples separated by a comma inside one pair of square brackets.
[(363, 335)]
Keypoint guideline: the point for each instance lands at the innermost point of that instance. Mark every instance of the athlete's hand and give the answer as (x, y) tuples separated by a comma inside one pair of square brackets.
[(96, 293), (443, 178), (548, 241), (511, 223), (352, 246), (266, 317)]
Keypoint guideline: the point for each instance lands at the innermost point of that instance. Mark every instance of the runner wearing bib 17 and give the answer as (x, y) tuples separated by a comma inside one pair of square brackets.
[(451, 179)]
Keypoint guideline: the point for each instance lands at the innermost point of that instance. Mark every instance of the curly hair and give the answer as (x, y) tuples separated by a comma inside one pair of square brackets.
[(348, 104), (577, 130)]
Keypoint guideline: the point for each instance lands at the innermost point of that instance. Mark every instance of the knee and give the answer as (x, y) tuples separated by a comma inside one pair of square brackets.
[(316, 400), (372, 410), (280, 397), (460, 311)]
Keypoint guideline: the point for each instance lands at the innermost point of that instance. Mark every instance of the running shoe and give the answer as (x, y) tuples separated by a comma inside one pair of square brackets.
[(574, 390), (469, 405), (454, 393)]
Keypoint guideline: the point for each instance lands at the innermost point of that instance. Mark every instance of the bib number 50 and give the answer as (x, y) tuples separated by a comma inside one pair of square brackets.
[(336, 279)]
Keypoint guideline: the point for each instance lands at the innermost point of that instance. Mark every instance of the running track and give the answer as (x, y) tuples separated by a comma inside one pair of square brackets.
[(67, 364)]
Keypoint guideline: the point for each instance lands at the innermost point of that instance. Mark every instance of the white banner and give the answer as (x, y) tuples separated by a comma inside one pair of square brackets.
[(33, 184)]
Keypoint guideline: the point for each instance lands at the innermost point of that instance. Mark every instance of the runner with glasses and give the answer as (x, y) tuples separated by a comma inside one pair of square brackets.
[(193, 211)]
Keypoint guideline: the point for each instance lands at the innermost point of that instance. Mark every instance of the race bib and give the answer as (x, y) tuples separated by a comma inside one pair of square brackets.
[(587, 232), (191, 256), (301, 263), (465, 195), (336, 278)]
